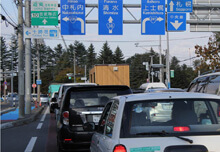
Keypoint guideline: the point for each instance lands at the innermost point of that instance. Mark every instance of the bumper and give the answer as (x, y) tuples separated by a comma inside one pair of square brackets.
[(75, 140)]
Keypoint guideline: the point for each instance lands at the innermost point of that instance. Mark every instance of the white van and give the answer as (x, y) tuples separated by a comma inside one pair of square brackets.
[(159, 122)]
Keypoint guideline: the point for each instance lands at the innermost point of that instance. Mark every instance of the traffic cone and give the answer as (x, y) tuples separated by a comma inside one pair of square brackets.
[(40, 104)]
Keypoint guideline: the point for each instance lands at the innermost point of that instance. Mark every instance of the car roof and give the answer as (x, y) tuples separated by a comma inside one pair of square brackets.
[(169, 95), (165, 90), (209, 74), (76, 84)]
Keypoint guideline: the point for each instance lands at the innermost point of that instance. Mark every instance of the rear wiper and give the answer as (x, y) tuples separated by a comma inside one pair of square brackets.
[(163, 133)]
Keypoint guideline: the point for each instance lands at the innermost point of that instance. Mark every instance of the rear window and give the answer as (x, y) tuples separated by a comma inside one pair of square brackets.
[(94, 97), (198, 116), (43, 95)]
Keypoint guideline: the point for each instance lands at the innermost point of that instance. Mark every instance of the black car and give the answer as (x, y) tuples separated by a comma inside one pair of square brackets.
[(81, 107)]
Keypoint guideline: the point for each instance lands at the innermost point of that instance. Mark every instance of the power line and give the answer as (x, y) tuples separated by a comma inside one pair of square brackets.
[(101, 41), (14, 4), (8, 15), (5, 19)]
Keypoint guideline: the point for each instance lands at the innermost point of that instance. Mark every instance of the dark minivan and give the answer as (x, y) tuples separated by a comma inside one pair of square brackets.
[(81, 107)]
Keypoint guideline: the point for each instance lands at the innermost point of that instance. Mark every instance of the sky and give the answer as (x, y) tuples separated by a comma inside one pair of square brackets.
[(181, 44)]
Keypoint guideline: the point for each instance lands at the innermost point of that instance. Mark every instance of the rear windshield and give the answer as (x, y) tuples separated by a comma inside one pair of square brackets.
[(97, 97), (187, 117), (43, 95)]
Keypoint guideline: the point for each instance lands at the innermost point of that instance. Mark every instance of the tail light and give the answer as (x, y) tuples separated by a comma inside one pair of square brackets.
[(119, 148), (66, 117), (181, 129)]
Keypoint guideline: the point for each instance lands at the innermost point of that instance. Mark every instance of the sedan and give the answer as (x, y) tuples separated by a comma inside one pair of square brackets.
[(127, 125)]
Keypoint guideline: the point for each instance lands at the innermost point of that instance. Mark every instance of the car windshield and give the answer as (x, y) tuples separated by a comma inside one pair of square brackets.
[(186, 116), (97, 97)]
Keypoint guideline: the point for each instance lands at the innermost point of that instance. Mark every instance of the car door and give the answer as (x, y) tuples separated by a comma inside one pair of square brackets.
[(106, 140), (97, 136)]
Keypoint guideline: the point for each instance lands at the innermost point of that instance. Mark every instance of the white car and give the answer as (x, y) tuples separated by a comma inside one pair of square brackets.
[(154, 85), (191, 124)]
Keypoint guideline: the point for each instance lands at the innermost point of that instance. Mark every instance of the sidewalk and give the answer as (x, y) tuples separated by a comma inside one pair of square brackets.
[(10, 118)]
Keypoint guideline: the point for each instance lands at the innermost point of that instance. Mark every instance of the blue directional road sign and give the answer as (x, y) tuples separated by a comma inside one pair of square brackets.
[(153, 17), (38, 82), (72, 17), (110, 17), (179, 6), (176, 21)]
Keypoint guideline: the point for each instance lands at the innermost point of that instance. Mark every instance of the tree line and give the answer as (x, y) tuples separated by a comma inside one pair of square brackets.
[(57, 62)]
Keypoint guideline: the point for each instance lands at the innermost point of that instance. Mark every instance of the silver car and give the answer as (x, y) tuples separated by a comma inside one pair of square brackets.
[(192, 123)]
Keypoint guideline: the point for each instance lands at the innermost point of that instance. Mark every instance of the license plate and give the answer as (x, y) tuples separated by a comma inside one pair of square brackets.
[(96, 118)]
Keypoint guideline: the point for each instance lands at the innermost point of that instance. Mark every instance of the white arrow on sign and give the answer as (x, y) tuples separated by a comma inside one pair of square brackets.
[(159, 19), (110, 20), (176, 24), (171, 6), (144, 24), (66, 19), (44, 21), (77, 19), (82, 24)]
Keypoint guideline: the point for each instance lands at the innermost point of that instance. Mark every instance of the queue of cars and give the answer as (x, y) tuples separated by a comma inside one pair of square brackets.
[(110, 118)]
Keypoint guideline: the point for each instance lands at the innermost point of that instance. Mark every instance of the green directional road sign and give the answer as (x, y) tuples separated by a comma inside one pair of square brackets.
[(44, 13)]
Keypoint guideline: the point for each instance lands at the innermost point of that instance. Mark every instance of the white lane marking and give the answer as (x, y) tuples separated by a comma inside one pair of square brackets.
[(39, 125), (44, 116), (31, 144)]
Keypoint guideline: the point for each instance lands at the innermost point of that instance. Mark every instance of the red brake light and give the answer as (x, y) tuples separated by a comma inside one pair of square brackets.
[(181, 129), (119, 148), (67, 139), (66, 117), (66, 114)]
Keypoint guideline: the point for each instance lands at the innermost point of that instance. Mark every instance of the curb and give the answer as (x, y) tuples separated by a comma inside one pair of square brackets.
[(22, 121), (7, 110)]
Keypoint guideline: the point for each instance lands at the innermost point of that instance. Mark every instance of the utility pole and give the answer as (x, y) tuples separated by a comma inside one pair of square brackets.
[(27, 61), (85, 74), (161, 69), (151, 63), (38, 71), (33, 75), (12, 76), (20, 59), (74, 66), (168, 62)]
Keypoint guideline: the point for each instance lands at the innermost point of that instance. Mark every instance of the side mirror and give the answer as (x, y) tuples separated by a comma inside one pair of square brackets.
[(89, 126)]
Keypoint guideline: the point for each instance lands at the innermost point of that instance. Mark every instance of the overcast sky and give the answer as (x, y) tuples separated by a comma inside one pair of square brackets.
[(181, 43)]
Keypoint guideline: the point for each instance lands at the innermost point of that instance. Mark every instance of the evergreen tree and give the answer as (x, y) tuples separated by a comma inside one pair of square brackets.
[(81, 53), (70, 51), (91, 57), (118, 56), (105, 55), (58, 52), (14, 51), (5, 56)]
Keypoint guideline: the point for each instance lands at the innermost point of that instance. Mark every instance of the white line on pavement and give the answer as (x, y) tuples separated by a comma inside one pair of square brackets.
[(31, 144), (44, 116), (39, 125)]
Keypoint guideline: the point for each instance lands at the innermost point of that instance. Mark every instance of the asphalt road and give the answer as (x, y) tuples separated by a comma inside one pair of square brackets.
[(38, 136)]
